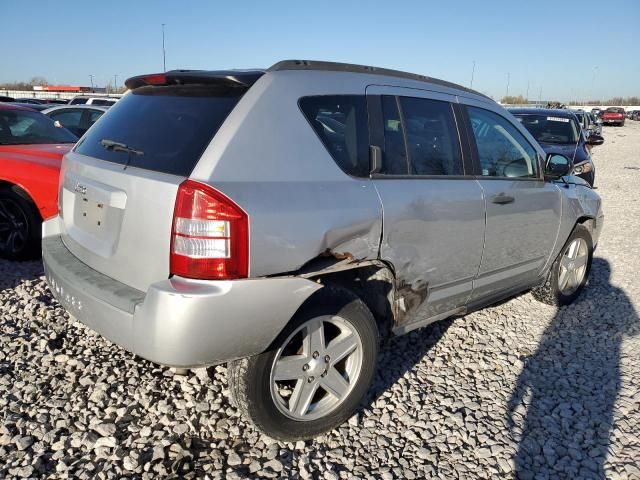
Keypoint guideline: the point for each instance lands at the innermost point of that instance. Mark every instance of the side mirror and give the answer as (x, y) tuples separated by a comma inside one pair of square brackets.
[(595, 140), (557, 166)]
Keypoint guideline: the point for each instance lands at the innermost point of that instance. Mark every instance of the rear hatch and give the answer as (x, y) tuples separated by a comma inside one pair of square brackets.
[(119, 184)]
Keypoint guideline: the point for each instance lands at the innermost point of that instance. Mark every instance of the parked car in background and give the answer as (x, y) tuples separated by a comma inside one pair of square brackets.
[(558, 131), (35, 101), (4, 98), (584, 120), (596, 124), (31, 149), (387, 201), (613, 116), (33, 106), (76, 118), (635, 115), (596, 112), (98, 101)]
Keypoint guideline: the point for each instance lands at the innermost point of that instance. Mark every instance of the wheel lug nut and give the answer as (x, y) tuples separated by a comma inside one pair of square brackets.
[(316, 354), (327, 358), (311, 379), (305, 367)]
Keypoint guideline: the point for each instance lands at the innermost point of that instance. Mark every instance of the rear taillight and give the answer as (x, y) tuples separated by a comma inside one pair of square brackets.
[(210, 235)]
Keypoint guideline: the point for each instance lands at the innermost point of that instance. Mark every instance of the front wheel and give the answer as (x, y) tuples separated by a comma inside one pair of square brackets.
[(316, 372), (570, 271)]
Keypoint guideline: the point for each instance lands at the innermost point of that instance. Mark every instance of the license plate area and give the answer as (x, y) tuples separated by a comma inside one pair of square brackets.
[(92, 213)]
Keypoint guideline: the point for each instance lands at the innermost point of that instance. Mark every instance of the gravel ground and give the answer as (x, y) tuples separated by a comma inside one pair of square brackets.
[(517, 390)]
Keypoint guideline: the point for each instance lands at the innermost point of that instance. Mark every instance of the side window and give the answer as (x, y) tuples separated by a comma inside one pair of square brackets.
[(341, 123), (94, 115), (394, 161), (432, 137), (503, 151), (68, 118)]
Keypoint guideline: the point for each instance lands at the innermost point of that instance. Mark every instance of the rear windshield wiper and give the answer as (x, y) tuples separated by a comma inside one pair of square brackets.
[(121, 147)]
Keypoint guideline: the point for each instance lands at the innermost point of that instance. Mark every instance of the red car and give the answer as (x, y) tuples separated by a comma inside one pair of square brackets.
[(31, 150), (613, 115)]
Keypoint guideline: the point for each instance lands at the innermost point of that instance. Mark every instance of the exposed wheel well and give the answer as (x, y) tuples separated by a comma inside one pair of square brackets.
[(588, 222), (374, 284)]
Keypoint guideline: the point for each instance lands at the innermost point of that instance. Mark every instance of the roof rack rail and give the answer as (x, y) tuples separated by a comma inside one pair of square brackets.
[(354, 68)]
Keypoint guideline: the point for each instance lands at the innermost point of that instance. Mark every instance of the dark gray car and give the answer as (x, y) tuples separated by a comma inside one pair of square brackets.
[(283, 220)]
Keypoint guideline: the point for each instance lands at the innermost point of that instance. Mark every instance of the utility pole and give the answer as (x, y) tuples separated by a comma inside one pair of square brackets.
[(473, 71), (593, 82), (115, 83), (540, 96), (91, 77), (164, 54), (508, 80), (527, 95)]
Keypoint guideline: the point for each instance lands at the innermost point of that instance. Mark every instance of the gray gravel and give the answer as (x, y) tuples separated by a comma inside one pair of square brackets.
[(517, 390)]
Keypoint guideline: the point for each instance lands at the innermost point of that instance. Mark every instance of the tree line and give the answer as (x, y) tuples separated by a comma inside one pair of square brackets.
[(521, 100)]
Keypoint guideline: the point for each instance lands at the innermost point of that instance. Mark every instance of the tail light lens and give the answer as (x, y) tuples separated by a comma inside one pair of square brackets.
[(210, 235)]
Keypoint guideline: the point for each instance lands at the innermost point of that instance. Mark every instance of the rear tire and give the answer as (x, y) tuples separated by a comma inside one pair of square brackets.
[(285, 391), (20, 226), (569, 272)]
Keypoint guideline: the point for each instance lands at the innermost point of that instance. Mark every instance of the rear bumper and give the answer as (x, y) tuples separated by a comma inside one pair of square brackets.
[(611, 120), (177, 322)]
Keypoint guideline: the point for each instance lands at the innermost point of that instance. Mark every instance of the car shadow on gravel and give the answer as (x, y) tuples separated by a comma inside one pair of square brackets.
[(562, 409), (399, 355), (13, 274)]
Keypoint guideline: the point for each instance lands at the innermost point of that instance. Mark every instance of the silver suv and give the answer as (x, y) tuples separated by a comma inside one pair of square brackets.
[(284, 220)]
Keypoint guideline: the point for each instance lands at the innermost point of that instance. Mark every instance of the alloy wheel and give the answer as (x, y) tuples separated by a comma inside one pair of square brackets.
[(316, 368), (573, 266), (14, 227)]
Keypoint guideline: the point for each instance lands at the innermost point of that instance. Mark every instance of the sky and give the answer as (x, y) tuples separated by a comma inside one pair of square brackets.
[(555, 49)]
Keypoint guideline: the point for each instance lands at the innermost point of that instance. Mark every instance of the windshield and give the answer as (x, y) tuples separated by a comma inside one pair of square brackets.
[(22, 127), (169, 127), (550, 129)]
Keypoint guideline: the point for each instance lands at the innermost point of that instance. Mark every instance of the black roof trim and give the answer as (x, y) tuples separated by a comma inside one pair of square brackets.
[(231, 78), (353, 68)]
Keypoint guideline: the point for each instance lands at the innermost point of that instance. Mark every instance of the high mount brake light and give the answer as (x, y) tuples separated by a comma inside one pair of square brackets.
[(157, 79), (210, 235)]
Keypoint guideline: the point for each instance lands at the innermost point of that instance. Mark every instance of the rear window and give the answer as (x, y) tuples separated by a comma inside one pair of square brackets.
[(615, 110), (341, 123), (166, 127), (102, 103), (23, 127)]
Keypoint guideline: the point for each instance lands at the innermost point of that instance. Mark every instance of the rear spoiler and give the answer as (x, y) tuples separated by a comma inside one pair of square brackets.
[(229, 78)]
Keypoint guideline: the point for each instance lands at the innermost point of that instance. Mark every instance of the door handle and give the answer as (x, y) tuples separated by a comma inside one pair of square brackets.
[(502, 199)]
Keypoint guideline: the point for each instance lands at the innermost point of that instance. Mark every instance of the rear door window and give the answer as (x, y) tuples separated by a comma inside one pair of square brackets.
[(341, 123), (394, 161), (166, 128), (432, 137)]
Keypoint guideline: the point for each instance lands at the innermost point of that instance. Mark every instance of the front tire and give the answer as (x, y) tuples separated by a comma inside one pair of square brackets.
[(20, 226), (315, 374), (570, 271)]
